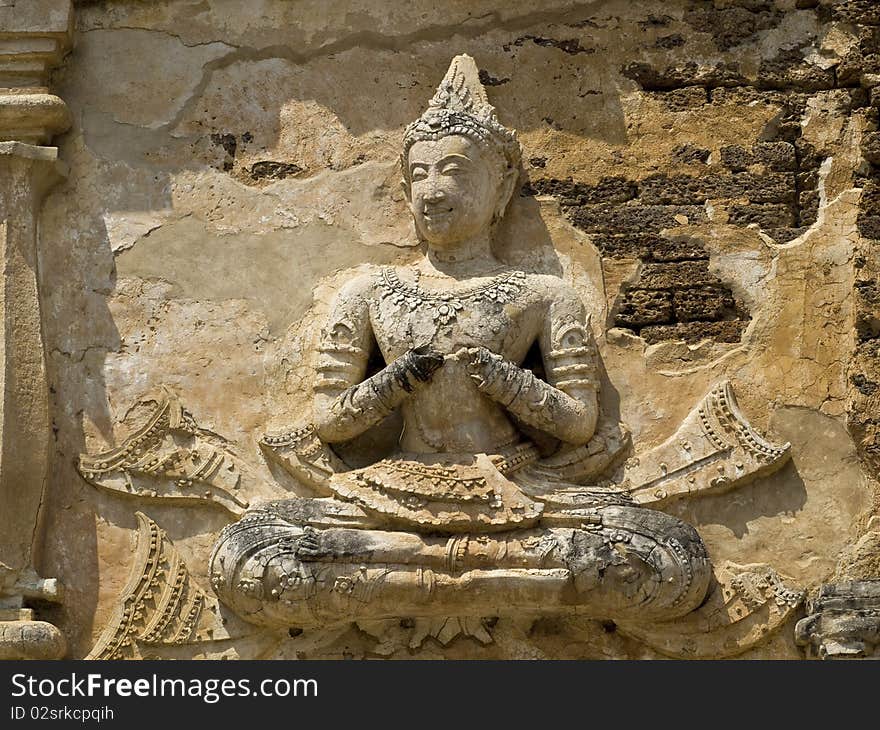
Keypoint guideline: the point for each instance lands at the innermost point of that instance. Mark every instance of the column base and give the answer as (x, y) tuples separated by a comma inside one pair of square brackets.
[(21, 637)]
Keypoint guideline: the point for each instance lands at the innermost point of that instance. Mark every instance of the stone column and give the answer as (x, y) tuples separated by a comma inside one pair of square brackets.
[(34, 37)]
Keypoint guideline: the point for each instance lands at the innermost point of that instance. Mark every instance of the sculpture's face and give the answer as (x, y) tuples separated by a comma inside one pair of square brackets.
[(454, 189)]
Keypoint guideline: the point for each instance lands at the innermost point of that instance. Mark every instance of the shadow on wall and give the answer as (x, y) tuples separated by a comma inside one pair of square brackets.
[(79, 332), (782, 494)]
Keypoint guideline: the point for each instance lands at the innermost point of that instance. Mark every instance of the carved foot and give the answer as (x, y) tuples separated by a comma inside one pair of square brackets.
[(648, 564)]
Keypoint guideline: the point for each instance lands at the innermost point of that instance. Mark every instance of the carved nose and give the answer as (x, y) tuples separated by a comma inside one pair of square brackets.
[(434, 196)]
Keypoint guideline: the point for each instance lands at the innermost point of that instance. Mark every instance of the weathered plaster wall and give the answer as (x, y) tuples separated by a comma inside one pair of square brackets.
[(701, 178)]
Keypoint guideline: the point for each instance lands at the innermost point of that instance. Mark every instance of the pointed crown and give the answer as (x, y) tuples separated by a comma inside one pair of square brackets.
[(461, 106)]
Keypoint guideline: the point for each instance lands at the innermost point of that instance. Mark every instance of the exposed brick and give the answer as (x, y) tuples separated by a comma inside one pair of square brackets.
[(784, 235), (871, 147), (869, 225), (789, 70), (704, 303), (767, 215), (858, 98), (570, 46), (776, 156), (639, 307), (689, 153), (867, 326), (790, 130), (807, 154), (648, 246), (486, 79), (862, 12), (849, 70), (724, 331), (692, 190), (736, 158), (634, 218), (869, 39), (792, 104), (742, 95), (808, 180), (864, 385), (272, 170), (753, 5), (722, 73), (770, 187), (681, 100), (676, 275), (670, 41), (867, 310), (568, 192), (870, 199), (731, 26), (676, 189), (808, 207), (666, 249), (624, 245)]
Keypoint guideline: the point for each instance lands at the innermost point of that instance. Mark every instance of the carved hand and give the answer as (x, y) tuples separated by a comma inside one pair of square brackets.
[(531, 399), (493, 374), (353, 411), (420, 362)]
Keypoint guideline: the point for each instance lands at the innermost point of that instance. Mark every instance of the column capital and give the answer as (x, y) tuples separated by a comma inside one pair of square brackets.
[(35, 36)]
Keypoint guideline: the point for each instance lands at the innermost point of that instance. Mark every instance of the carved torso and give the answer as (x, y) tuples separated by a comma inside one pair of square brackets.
[(507, 312)]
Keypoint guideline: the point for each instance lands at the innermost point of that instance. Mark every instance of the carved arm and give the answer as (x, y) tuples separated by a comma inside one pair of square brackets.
[(566, 404), (342, 416), (531, 399)]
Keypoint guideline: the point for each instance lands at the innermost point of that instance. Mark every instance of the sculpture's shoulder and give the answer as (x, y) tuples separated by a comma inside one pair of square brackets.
[(553, 291), (360, 287)]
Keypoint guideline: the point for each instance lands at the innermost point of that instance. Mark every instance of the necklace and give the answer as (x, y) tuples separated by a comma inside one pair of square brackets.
[(444, 307)]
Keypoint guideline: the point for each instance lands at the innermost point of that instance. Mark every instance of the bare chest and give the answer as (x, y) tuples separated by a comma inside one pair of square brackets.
[(500, 314)]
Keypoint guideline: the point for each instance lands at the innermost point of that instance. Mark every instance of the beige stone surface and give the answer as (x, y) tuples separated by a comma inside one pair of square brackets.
[(219, 196)]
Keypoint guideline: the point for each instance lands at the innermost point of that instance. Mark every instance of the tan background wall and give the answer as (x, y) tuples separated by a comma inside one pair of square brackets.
[(230, 161)]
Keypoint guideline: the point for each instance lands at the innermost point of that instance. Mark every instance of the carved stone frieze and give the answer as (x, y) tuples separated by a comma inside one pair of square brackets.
[(745, 605), (576, 391), (714, 449), (472, 511), (169, 457), (843, 621), (161, 604)]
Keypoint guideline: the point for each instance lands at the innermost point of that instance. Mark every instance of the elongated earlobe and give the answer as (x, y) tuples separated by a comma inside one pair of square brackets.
[(508, 182)]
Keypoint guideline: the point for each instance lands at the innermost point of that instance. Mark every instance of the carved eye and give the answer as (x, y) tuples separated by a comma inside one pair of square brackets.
[(418, 175)]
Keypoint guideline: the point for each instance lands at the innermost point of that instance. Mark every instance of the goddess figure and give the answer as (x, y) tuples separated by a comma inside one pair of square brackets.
[(469, 516)]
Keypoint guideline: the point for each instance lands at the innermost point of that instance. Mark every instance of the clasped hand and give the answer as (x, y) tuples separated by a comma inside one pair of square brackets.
[(483, 366)]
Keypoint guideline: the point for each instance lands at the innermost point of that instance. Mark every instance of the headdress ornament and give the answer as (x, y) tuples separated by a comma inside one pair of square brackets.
[(461, 106)]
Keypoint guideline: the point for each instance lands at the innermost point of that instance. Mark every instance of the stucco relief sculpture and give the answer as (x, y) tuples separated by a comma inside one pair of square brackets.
[(507, 491)]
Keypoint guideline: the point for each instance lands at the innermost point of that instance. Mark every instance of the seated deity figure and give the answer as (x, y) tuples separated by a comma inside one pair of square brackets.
[(473, 514)]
